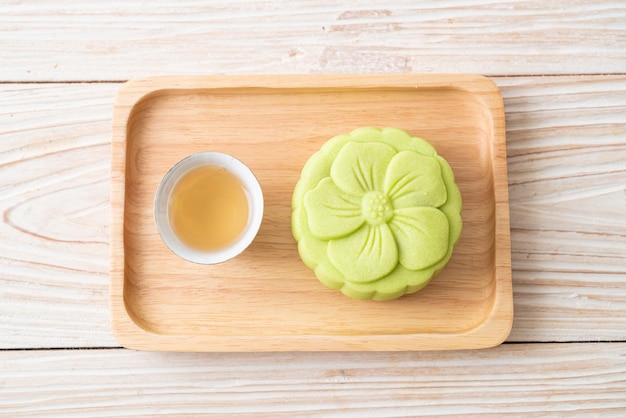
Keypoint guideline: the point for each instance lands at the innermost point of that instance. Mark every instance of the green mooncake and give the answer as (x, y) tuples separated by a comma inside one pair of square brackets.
[(376, 213)]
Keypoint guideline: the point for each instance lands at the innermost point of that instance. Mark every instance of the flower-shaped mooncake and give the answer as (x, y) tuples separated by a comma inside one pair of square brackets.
[(376, 213)]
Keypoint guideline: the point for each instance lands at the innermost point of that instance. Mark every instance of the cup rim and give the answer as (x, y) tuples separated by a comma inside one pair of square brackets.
[(254, 195)]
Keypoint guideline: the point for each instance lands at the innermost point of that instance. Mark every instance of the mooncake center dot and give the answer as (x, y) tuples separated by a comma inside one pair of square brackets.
[(376, 208)]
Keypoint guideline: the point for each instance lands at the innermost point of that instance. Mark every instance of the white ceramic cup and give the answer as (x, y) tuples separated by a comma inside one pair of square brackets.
[(251, 187)]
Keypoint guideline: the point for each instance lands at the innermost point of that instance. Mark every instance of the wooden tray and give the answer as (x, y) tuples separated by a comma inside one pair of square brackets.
[(267, 299)]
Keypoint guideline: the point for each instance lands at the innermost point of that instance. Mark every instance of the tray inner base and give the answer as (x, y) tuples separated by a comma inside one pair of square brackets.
[(268, 290)]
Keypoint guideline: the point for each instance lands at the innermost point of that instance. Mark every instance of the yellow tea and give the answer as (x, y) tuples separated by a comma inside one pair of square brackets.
[(208, 208)]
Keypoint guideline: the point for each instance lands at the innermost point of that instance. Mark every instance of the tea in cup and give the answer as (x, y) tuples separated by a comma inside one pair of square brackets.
[(208, 207)]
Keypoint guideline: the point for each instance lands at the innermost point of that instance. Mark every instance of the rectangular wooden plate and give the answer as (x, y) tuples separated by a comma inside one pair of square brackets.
[(267, 299)]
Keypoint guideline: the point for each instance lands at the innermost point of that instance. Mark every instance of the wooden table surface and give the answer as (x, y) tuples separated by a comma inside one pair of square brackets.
[(561, 67)]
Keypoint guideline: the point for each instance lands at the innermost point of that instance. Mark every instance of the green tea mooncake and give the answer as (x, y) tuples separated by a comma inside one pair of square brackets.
[(376, 213)]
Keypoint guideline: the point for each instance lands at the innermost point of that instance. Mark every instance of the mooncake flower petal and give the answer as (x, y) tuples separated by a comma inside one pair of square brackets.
[(331, 212), (414, 180), (422, 235), (366, 255), (360, 167)]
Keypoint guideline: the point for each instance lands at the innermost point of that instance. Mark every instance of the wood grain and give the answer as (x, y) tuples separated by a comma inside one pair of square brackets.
[(573, 380), (568, 285), (54, 186), (71, 40), (567, 183)]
